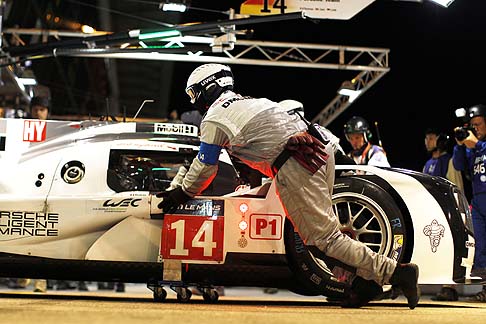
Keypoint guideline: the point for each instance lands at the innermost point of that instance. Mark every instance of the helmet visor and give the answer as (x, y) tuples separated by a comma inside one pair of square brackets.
[(192, 93)]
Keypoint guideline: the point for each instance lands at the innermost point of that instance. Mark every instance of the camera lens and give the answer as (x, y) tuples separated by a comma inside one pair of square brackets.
[(461, 134)]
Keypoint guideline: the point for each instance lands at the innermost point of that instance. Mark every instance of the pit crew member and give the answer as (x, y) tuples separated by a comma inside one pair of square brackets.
[(264, 136), (358, 134)]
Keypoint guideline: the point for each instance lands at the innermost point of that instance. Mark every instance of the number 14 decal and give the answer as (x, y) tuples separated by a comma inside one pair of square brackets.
[(279, 4), (192, 238)]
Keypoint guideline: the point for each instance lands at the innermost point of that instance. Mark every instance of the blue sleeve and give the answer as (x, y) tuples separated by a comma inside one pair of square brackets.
[(481, 147), (444, 165), (209, 153), (459, 158)]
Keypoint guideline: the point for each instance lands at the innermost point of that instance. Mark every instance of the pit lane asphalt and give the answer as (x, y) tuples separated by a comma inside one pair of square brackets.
[(239, 305)]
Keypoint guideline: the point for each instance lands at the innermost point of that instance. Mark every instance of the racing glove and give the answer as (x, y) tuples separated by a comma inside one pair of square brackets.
[(177, 180), (172, 199), (307, 150)]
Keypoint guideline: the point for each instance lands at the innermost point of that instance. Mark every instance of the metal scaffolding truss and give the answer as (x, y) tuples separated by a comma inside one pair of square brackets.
[(372, 63), (362, 82), (315, 56)]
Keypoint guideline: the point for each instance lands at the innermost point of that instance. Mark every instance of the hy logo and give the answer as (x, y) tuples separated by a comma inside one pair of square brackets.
[(34, 131)]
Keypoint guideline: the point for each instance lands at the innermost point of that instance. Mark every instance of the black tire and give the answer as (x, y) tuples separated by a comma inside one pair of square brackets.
[(311, 275), (369, 214), (377, 222)]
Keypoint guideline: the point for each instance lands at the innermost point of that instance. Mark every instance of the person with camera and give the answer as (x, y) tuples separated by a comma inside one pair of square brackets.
[(470, 155), (358, 134), (440, 165)]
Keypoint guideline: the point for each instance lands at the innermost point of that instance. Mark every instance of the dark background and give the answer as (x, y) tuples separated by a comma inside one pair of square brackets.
[(436, 61)]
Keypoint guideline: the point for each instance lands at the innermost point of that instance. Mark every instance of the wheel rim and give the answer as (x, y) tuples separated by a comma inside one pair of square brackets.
[(364, 220)]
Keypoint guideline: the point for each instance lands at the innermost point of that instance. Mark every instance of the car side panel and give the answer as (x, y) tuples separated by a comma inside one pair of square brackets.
[(133, 239), (265, 218)]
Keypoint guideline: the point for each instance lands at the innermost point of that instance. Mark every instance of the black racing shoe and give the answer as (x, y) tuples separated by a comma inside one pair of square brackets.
[(405, 277), (480, 273), (362, 292)]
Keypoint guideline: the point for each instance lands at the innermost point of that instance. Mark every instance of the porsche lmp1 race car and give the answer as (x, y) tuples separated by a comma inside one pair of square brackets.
[(77, 201)]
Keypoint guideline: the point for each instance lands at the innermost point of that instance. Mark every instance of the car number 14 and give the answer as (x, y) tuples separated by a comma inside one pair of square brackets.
[(192, 238)]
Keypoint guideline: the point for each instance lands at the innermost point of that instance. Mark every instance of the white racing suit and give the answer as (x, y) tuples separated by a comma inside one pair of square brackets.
[(256, 131)]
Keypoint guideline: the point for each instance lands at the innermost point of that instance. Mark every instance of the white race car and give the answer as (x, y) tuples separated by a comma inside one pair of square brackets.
[(77, 201)]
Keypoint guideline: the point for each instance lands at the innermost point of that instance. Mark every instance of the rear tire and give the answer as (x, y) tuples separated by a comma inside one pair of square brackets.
[(312, 276), (367, 213)]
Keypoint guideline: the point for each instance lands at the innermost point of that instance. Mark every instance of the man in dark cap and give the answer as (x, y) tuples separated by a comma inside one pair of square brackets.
[(39, 108)]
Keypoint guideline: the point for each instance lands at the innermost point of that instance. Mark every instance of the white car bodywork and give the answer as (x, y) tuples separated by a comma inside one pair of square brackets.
[(48, 211)]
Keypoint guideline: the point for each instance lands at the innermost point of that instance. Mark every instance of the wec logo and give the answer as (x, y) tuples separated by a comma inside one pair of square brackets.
[(122, 203), (34, 131)]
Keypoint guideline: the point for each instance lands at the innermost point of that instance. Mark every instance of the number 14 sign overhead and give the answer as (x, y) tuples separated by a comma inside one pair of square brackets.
[(318, 9), (194, 232)]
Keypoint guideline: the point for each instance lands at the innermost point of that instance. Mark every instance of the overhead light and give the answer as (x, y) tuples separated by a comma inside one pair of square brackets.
[(174, 7), (19, 84), (352, 94), (28, 81), (443, 3), (179, 6), (87, 29), (349, 89), (26, 78), (159, 34)]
